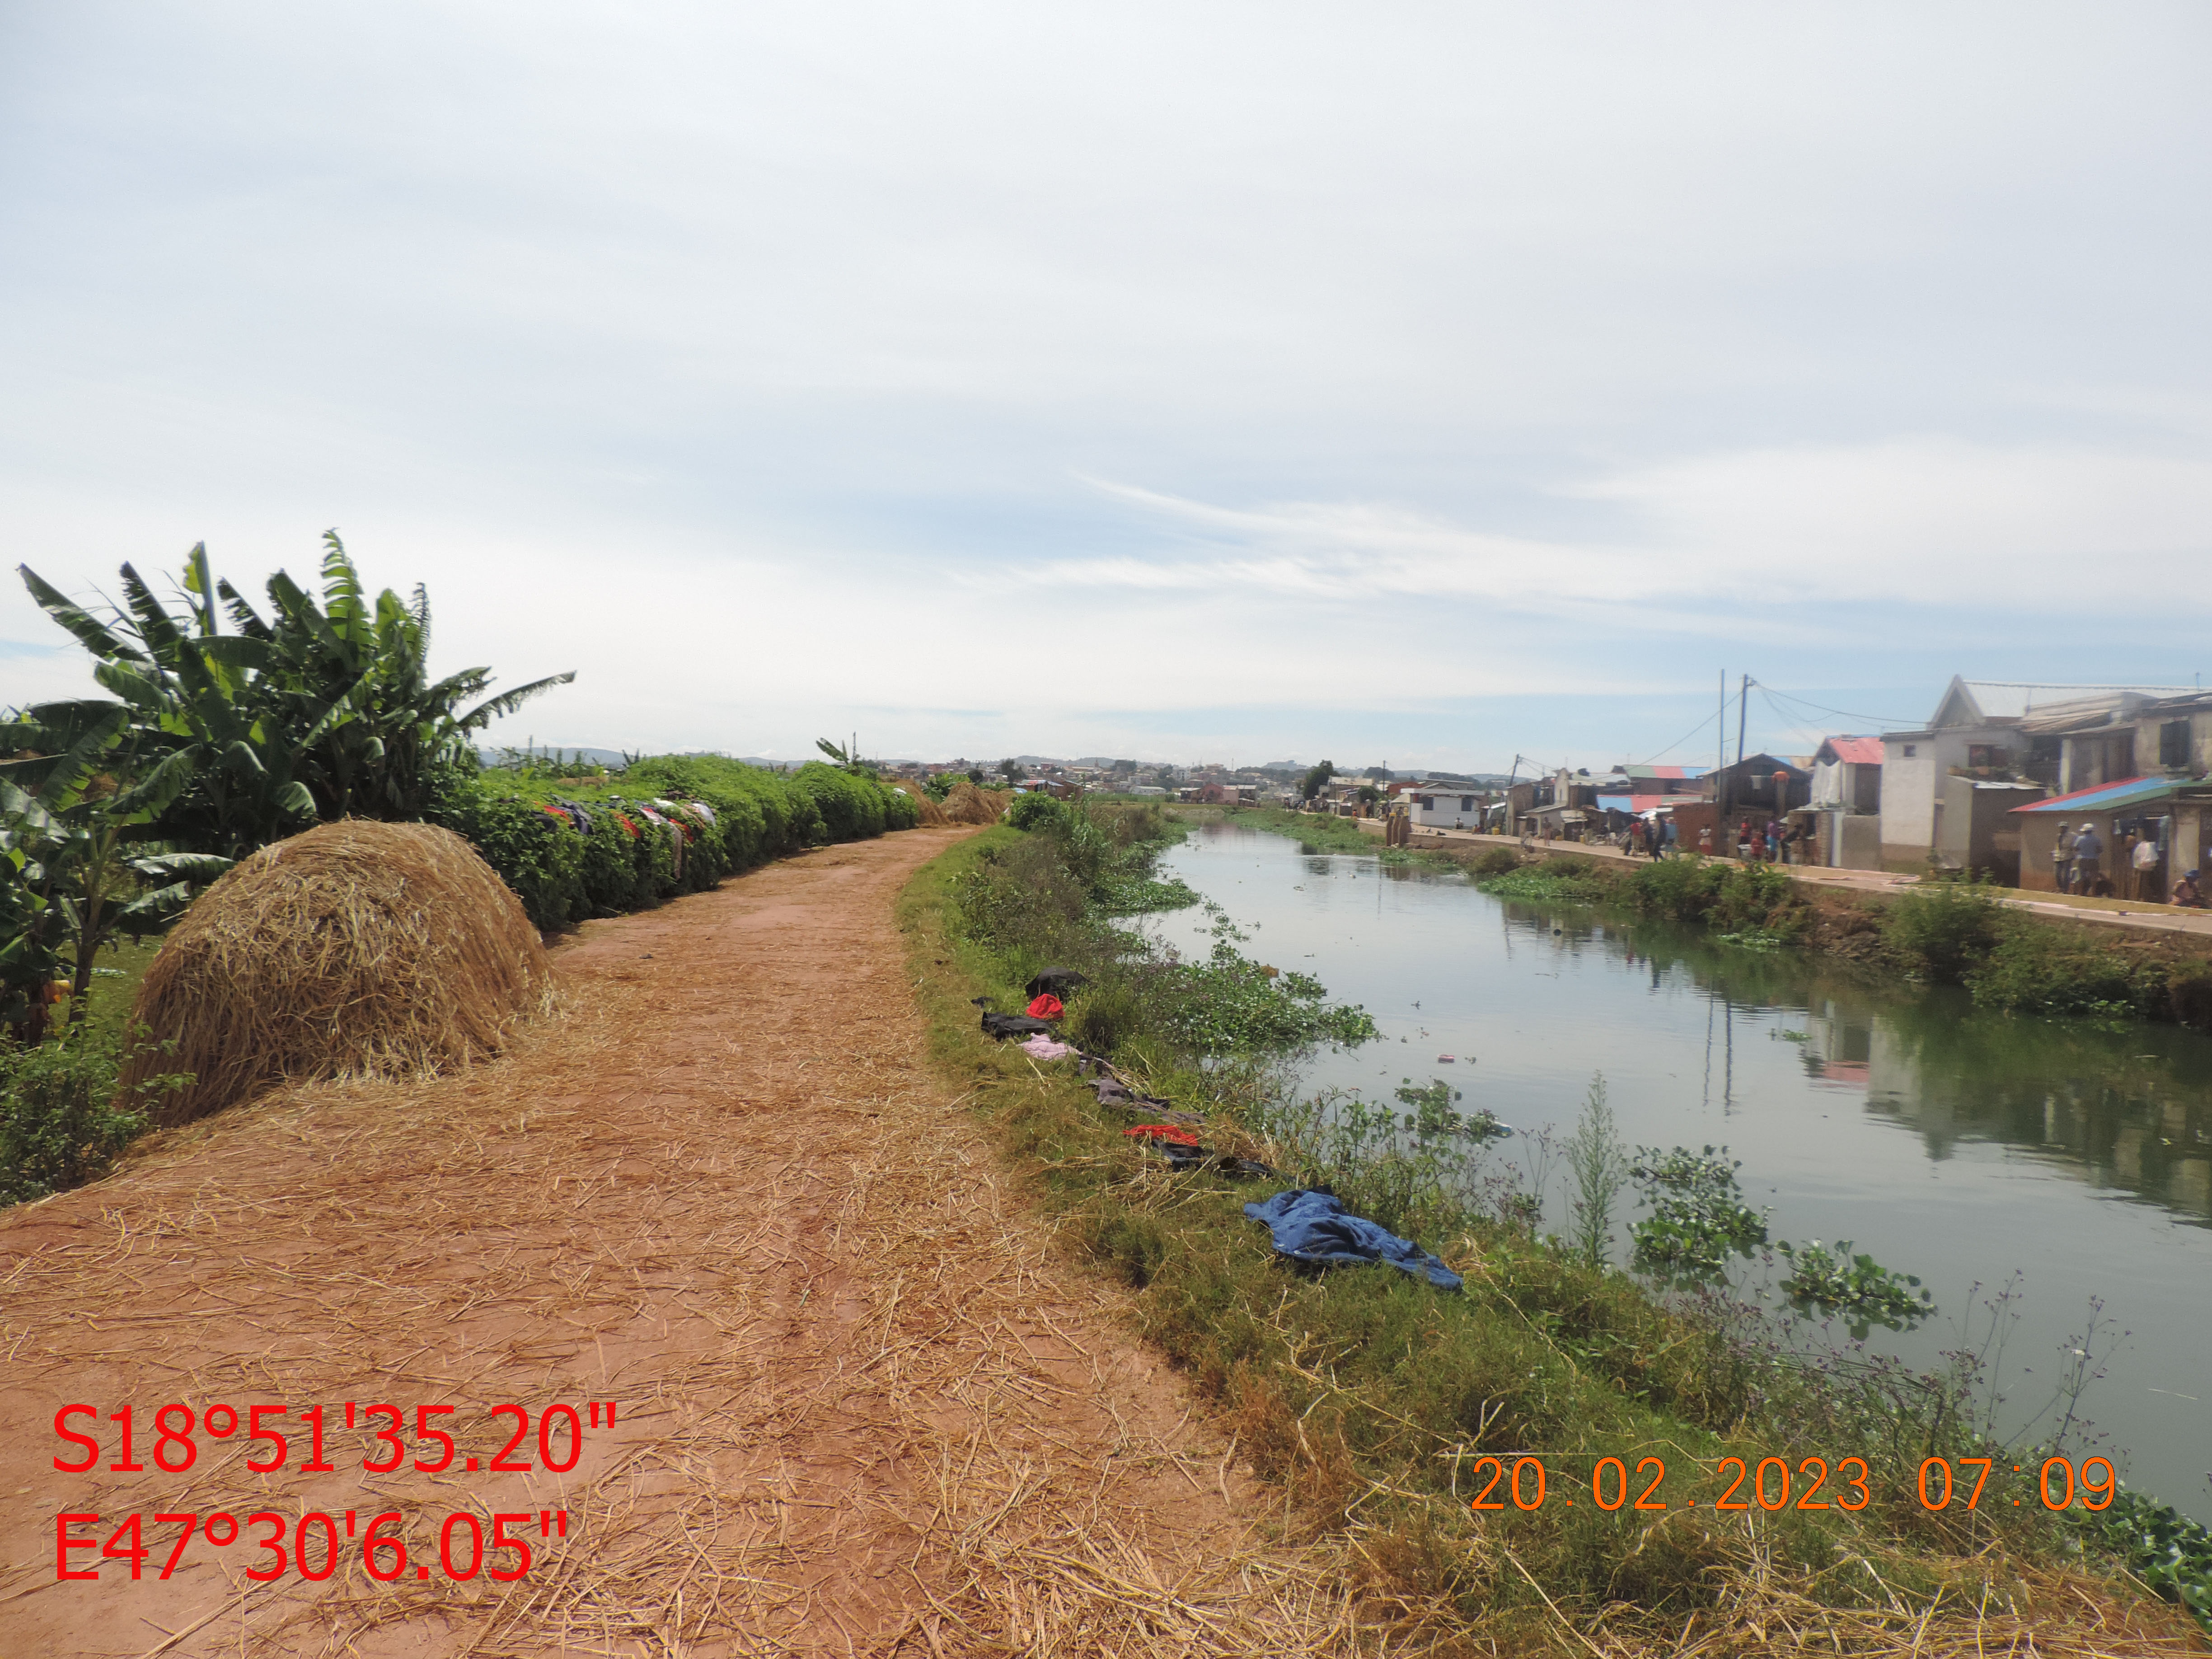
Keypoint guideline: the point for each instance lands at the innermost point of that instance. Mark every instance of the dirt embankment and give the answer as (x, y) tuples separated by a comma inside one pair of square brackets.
[(861, 1408)]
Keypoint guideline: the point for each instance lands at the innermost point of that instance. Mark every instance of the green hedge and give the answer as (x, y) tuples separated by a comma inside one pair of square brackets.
[(564, 874), (853, 808)]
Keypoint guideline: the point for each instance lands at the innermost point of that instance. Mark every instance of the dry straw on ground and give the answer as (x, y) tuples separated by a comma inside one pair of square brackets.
[(966, 804), (381, 950)]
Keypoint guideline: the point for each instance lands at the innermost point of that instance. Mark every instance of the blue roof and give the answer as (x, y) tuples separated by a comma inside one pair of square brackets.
[(2109, 797)]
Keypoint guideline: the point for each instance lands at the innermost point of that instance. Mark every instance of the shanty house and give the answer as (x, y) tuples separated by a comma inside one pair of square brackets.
[(1639, 789), (1847, 775), (2064, 737), (2175, 812), (1760, 784)]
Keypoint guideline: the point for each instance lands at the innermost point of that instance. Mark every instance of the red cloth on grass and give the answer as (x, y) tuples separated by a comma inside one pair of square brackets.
[(1165, 1132), (1046, 1006)]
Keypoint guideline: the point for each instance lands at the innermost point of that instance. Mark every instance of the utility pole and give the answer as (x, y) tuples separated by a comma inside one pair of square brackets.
[(1743, 703), (1720, 761)]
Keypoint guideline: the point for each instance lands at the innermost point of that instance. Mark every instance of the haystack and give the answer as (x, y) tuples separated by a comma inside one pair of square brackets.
[(931, 812), (357, 948), (969, 804)]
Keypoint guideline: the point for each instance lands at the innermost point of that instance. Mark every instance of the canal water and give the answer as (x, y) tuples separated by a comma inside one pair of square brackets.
[(1963, 1147)]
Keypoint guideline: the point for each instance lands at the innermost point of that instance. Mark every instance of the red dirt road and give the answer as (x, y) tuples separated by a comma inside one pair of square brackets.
[(861, 1408)]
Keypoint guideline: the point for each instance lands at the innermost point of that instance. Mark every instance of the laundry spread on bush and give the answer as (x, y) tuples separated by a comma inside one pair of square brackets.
[(1313, 1227), (1044, 1047)]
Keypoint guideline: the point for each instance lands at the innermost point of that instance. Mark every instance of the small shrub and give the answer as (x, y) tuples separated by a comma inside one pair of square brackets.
[(1676, 889), (1494, 861), (1036, 811), (2039, 970), (60, 1122), (1945, 928), (1105, 1018), (1600, 1168)]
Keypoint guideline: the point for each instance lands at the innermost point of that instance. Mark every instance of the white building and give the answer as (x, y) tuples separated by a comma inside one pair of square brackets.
[(1445, 809), (1987, 728)]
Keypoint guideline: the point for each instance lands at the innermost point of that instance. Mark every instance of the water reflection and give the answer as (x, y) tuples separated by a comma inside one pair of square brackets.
[(2127, 1110), (1959, 1144)]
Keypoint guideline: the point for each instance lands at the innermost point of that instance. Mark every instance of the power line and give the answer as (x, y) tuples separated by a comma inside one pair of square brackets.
[(1783, 716), (1891, 721), (1686, 736)]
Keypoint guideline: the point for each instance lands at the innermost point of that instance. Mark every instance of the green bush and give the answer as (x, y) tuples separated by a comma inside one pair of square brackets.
[(2036, 969), (1036, 811), (60, 1123), (1495, 861), (775, 815), (565, 874), (851, 806), (1945, 928), (541, 860), (1681, 889)]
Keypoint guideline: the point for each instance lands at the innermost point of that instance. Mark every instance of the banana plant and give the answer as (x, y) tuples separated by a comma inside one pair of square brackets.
[(355, 671), (77, 810), (321, 709), (190, 688)]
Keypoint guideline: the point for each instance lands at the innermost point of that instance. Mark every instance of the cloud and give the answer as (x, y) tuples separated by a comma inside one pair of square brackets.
[(1094, 368)]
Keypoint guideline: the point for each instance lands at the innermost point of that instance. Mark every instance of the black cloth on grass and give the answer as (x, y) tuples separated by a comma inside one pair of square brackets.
[(1054, 981)]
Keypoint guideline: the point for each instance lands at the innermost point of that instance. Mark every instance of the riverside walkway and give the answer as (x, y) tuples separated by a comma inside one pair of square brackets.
[(2115, 913)]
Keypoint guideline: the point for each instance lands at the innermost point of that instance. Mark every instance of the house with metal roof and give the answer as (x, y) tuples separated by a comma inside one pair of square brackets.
[(1999, 731), (1847, 775), (1644, 788), (2175, 812)]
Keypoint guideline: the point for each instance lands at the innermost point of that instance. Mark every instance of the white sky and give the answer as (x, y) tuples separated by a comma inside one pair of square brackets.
[(1423, 383)]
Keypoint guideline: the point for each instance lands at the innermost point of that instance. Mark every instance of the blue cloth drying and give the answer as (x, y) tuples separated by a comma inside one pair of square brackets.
[(1310, 1226)]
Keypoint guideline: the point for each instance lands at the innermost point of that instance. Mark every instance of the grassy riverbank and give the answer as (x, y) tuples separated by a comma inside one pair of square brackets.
[(1372, 1400), (1949, 932)]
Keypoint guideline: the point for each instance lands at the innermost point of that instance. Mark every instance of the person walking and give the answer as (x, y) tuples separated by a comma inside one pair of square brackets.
[(2145, 859), (2062, 861), (2088, 856)]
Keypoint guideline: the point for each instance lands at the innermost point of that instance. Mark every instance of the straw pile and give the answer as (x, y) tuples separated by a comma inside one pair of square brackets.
[(969, 804), (932, 813), (357, 948)]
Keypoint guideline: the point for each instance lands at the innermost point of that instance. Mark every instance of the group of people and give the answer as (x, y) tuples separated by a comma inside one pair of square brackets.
[(1771, 842), (1653, 837), (2077, 866)]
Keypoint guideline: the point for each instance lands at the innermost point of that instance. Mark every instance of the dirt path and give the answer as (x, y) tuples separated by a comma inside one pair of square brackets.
[(861, 1408)]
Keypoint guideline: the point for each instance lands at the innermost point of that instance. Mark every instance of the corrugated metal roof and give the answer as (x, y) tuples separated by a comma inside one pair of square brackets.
[(1854, 752), (1663, 771), (1637, 804), (2108, 797), (2003, 700)]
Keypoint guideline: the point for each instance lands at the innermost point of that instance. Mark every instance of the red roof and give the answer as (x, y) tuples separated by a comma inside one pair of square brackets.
[(1856, 751)]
